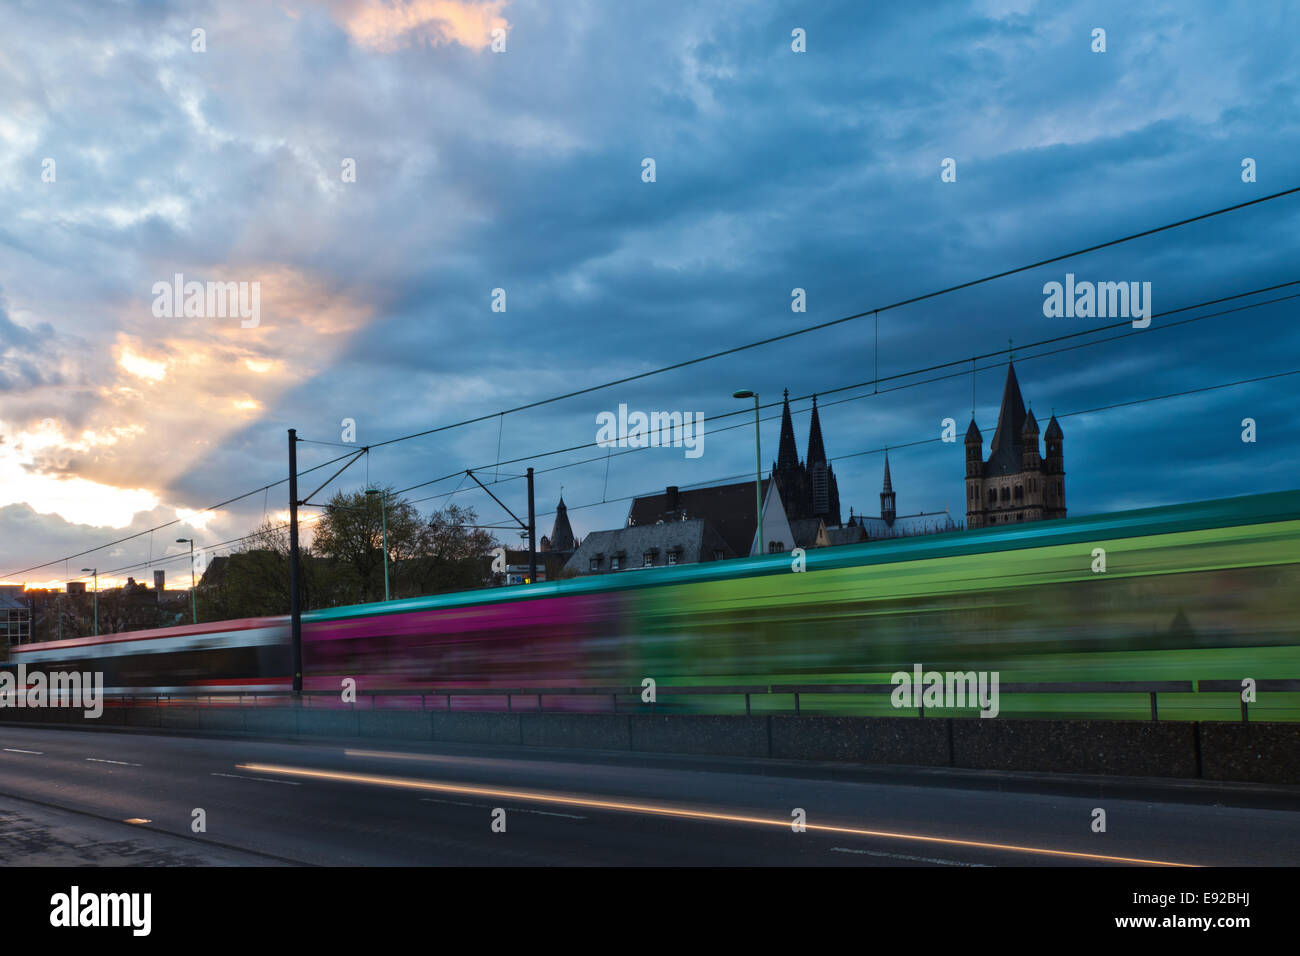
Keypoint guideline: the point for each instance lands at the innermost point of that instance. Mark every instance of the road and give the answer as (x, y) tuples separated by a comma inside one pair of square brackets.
[(64, 797)]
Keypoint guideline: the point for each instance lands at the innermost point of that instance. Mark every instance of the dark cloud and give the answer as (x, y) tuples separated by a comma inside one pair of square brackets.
[(775, 170)]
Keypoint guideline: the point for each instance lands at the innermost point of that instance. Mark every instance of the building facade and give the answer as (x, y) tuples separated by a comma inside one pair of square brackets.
[(1016, 483)]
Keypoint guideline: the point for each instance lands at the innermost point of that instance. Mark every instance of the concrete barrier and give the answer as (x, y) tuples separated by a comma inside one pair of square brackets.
[(1124, 747), (690, 734), (1247, 752), (184, 718), (272, 721), (1258, 753), (900, 740), (395, 724), (145, 715), (331, 722), (224, 720), (476, 728), (583, 731)]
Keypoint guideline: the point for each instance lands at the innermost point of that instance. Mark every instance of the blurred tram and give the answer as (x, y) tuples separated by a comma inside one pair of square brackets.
[(1187, 592)]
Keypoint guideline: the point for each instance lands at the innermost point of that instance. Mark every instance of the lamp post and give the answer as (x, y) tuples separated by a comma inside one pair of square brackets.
[(194, 601), (95, 572), (383, 515), (758, 467)]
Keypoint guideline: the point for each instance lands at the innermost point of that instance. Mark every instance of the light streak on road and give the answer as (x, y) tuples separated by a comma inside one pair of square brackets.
[(618, 806)]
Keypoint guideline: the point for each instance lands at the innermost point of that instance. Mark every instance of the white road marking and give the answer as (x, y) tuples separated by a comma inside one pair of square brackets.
[(904, 856), (15, 750), (120, 763), (484, 806), (235, 776)]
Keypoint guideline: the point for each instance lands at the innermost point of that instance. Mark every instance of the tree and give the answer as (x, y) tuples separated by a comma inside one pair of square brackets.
[(351, 534), (452, 552), (253, 581)]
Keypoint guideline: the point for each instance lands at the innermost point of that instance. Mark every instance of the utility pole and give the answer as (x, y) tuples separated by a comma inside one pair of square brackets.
[(532, 533), (194, 601), (295, 598)]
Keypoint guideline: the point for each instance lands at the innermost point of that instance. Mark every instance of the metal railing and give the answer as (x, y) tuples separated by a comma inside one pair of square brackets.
[(1150, 688)]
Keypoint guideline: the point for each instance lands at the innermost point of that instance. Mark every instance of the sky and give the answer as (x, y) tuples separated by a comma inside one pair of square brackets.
[(374, 171)]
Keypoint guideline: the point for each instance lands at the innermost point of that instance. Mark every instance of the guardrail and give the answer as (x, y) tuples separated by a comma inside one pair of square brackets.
[(748, 691)]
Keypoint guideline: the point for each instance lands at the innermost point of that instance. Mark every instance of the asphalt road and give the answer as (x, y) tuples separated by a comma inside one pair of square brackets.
[(65, 797)]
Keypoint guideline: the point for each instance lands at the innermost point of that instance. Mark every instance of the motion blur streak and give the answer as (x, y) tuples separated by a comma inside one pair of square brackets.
[(1200, 591), (432, 758), (409, 784)]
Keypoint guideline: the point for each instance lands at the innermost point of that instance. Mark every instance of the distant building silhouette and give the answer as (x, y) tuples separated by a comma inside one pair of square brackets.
[(890, 524), (1015, 483), (561, 540), (808, 488)]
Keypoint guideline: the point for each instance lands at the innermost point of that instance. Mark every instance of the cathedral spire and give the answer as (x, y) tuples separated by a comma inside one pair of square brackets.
[(787, 456), (888, 509), (816, 448)]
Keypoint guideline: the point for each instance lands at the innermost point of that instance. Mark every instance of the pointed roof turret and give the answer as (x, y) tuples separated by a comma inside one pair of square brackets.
[(787, 456), (973, 433), (1054, 429), (816, 449), (889, 485), (1005, 449), (562, 531), (1031, 425)]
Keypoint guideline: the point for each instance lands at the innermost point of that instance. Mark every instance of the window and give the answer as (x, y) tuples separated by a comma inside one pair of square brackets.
[(717, 554), (672, 557), (614, 563), (1020, 492), (648, 559), (775, 547), (595, 564)]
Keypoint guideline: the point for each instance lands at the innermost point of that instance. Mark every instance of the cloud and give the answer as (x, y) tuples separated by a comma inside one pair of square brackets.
[(388, 25)]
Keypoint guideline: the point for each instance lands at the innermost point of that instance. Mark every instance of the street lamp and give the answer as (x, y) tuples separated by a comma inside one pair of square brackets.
[(758, 466), (383, 512), (95, 572), (194, 601)]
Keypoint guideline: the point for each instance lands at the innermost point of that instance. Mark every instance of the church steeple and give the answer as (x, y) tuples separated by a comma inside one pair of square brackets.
[(816, 447), (1004, 458), (808, 488), (787, 456), (888, 510), (562, 531)]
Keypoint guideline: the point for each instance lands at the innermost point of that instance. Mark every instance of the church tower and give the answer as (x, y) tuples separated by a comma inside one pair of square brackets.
[(561, 539), (888, 509), (975, 514), (825, 494), (1054, 471), (1015, 483), (791, 477), (808, 488)]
